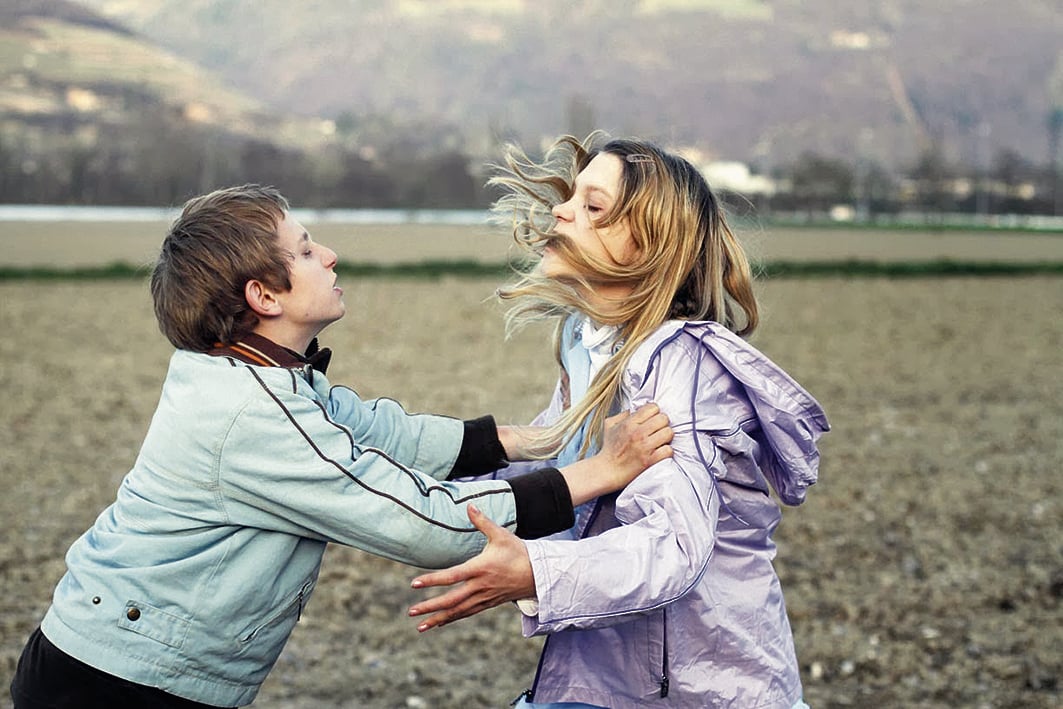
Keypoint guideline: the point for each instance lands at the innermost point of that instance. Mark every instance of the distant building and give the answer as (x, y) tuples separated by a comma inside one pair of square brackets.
[(843, 39), (733, 176)]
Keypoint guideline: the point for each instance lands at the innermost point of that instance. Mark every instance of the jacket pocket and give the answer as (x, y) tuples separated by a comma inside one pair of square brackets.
[(155, 623), (283, 619)]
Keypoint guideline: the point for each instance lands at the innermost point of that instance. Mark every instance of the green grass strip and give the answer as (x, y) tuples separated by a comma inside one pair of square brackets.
[(111, 271), (928, 227), (474, 269), (425, 269), (905, 269)]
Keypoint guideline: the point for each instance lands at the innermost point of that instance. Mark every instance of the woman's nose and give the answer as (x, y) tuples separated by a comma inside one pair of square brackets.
[(561, 211), (330, 257)]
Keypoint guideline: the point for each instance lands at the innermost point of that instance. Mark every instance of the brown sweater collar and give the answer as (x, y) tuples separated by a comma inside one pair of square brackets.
[(256, 349)]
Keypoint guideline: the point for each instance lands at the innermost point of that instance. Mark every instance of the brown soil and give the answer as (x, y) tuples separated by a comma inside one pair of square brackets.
[(926, 569)]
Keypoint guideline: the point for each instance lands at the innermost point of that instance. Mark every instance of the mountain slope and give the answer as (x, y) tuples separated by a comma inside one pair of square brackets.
[(742, 79), (66, 68)]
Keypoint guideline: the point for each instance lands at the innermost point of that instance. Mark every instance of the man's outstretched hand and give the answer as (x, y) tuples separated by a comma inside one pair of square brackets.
[(501, 572), (634, 441), (631, 443)]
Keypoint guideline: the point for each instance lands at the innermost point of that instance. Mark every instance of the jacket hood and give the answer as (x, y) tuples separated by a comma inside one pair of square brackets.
[(791, 420)]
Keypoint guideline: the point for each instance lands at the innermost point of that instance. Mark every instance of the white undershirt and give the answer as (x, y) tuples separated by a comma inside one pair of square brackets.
[(600, 342)]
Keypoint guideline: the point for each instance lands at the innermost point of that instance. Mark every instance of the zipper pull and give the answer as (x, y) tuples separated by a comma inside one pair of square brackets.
[(664, 686)]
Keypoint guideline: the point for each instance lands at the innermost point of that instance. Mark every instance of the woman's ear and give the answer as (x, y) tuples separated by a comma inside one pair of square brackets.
[(261, 299)]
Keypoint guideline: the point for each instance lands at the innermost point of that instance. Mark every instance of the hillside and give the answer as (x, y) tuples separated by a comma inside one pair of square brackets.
[(93, 112), (66, 70), (741, 79)]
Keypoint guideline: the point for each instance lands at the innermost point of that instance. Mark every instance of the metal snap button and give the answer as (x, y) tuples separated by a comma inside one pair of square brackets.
[(133, 613), (95, 600)]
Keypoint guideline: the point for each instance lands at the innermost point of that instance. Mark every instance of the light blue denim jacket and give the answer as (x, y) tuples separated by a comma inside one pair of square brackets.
[(193, 579)]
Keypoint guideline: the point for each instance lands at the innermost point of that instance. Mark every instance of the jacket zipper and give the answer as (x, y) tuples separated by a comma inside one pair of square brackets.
[(298, 601), (530, 692), (664, 654)]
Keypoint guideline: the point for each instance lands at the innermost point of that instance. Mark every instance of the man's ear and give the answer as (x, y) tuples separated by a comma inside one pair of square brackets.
[(261, 299)]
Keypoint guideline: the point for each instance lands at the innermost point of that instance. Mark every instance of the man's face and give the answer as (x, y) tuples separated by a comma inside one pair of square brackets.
[(314, 300)]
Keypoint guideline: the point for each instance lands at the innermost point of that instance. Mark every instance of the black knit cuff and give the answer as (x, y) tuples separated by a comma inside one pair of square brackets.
[(481, 451), (544, 504)]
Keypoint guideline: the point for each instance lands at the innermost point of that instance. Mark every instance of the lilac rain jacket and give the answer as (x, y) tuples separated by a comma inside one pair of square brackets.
[(669, 597)]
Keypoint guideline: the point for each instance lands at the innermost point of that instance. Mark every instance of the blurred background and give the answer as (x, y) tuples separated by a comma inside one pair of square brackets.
[(895, 110)]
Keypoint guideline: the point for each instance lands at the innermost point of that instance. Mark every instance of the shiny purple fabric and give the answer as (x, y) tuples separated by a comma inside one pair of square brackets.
[(670, 597)]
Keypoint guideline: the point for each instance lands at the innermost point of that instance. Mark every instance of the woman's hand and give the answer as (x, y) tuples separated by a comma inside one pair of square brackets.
[(501, 572)]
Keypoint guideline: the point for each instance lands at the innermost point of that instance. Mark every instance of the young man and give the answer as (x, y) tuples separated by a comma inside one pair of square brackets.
[(186, 588)]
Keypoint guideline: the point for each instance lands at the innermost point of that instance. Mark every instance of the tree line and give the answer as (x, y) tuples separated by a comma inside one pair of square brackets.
[(161, 160)]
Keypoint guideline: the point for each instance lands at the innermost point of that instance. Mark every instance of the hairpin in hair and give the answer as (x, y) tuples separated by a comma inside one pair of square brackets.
[(639, 157)]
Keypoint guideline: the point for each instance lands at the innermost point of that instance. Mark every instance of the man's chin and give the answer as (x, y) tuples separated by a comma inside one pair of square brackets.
[(336, 318)]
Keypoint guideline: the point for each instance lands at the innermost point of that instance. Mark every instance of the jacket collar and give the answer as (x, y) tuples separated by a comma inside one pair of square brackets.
[(256, 349)]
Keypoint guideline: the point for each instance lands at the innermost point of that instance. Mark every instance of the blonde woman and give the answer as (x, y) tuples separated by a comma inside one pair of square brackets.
[(663, 594)]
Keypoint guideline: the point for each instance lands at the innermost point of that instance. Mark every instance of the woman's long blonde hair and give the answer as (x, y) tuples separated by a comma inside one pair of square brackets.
[(688, 264)]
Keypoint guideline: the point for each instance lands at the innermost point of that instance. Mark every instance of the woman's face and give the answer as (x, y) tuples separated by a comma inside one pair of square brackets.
[(596, 191)]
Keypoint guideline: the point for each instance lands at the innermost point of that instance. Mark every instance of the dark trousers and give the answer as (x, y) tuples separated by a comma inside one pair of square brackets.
[(48, 678)]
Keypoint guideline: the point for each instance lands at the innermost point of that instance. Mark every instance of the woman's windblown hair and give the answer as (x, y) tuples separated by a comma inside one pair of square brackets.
[(688, 264)]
